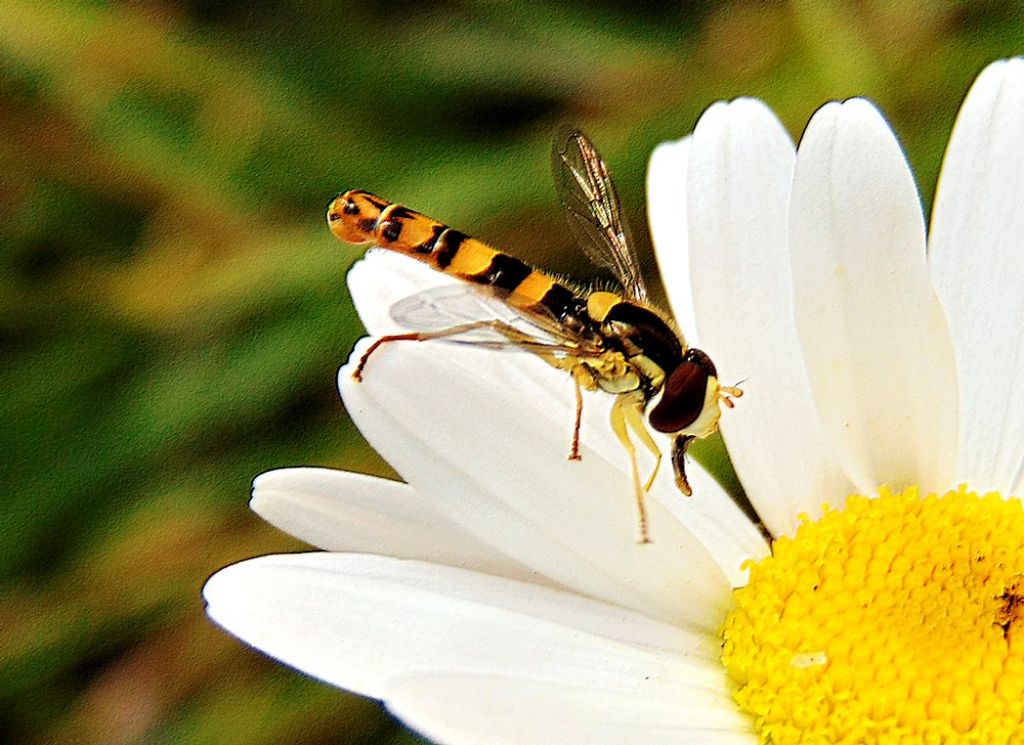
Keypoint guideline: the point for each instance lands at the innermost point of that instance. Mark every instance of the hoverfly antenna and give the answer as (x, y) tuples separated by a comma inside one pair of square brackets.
[(727, 393)]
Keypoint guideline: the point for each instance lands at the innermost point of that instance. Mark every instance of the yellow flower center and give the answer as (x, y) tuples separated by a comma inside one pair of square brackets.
[(894, 620)]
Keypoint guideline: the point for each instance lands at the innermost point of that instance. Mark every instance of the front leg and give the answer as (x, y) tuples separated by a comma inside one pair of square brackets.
[(462, 328), (679, 447)]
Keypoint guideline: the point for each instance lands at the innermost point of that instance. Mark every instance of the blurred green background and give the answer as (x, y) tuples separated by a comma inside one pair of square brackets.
[(173, 308)]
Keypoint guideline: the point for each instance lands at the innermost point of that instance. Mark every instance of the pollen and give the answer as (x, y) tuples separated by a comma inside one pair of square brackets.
[(896, 619)]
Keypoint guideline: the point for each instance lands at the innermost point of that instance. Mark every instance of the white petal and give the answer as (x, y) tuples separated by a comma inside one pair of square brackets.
[(357, 621), (740, 175), (339, 511), (481, 443), (382, 278), (978, 270), (511, 711), (875, 340), (666, 212), (711, 514), (713, 517)]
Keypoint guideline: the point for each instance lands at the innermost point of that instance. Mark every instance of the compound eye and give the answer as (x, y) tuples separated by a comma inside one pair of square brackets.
[(682, 399)]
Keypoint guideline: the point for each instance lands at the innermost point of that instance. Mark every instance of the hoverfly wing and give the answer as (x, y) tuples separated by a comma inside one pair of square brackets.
[(593, 210), (444, 306), (447, 306)]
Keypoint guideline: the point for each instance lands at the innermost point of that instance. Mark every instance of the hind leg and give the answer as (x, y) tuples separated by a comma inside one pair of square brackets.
[(501, 327), (583, 375)]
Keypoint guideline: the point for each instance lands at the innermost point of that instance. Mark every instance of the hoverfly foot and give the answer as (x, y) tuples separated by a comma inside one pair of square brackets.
[(643, 534), (357, 374), (574, 449)]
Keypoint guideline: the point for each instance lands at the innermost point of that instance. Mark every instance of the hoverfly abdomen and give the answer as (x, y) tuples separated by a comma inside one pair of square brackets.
[(353, 216), (502, 272), (360, 217), (444, 247)]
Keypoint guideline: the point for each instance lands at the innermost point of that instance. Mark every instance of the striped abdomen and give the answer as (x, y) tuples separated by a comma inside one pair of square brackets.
[(360, 217)]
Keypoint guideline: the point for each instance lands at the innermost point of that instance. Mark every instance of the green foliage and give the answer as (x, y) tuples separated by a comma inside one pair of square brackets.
[(172, 311)]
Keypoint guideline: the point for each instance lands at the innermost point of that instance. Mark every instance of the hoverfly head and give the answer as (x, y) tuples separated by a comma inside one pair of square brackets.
[(690, 397)]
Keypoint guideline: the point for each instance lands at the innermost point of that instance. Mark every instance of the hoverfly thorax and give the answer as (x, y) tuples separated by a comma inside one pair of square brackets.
[(641, 331)]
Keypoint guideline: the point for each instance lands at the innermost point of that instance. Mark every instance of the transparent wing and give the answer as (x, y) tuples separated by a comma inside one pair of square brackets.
[(593, 210), (442, 308)]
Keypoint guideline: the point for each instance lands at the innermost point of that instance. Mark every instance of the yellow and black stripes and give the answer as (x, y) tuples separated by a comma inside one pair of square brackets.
[(360, 217), (601, 319)]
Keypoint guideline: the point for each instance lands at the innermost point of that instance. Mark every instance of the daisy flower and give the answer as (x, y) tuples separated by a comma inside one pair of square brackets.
[(499, 595)]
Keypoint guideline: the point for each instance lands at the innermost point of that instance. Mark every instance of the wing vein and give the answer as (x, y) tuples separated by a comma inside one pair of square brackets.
[(593, 210)]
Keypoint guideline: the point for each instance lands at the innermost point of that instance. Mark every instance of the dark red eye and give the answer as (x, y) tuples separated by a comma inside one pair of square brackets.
[(682, 399)]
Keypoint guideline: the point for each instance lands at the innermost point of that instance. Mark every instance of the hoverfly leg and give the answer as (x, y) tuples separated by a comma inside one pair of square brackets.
[(463, 328), (635, 419), (679, 447), (574, 449), (582, 374), (623, 417), (582, 377), (357, 374)]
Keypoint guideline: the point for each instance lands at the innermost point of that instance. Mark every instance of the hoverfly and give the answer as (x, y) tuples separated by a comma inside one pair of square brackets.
[(618, 343)]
